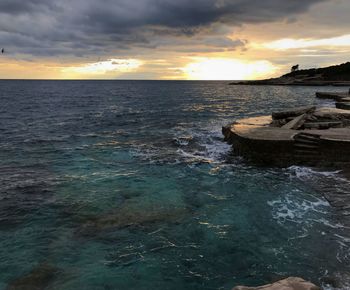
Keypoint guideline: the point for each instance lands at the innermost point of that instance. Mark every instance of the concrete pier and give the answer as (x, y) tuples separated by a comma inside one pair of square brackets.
[(323, 137)]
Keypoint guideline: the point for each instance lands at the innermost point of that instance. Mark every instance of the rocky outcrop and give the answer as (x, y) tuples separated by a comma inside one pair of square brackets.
[(333, 96), (338, 75), (291, 283), (292, 113)]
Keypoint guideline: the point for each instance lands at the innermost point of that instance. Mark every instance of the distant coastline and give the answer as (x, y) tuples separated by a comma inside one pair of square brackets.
[(338, 75)]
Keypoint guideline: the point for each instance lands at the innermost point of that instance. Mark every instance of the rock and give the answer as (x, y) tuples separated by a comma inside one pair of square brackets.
[(332, 113), (343, 105), (278, 123), (334, 96), (226, 131), (38, 279), (131, 215), (296, 123), (293, 112), (323, 125), (347, 99), (291, 283)]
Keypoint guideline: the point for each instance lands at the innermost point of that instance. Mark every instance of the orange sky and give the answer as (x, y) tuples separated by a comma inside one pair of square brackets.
[(219, 50)]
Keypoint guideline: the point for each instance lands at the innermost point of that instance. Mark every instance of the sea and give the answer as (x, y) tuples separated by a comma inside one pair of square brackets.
[(129, 185)]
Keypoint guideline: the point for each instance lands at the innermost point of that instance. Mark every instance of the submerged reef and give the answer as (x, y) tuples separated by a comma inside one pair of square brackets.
[(39, 278), (130, 214)]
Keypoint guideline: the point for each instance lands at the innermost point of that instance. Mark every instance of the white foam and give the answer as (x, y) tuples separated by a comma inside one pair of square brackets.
[(210, 139), (291, 208), (305, 172), (193, 145)]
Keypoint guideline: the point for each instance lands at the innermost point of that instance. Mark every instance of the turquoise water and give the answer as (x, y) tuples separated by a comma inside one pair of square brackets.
[(128, 185)]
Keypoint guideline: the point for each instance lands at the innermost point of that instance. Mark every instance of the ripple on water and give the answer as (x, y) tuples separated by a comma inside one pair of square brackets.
[(141, 167)]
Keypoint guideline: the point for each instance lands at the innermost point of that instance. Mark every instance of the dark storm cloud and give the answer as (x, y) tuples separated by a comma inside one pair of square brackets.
[(87, 27), (126, 14), (16, 7)]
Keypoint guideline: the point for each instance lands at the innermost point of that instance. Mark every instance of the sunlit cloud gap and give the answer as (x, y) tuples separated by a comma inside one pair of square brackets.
[(103, 67), (290, 43), (227, 69)]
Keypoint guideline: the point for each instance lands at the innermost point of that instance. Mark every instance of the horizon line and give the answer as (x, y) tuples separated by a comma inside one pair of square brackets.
[(169, 80)]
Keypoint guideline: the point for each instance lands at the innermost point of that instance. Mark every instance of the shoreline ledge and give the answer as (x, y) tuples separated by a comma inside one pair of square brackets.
[(297, 136), (336, 75), (290, 82)]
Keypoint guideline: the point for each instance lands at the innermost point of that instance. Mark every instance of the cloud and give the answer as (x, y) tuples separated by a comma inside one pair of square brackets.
[(80, 28), (227, 69), (103, 68), (16, 7), (289, 43)]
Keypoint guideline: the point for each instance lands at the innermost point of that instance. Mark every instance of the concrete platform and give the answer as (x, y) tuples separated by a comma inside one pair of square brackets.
[(258, 129), (256, 139), (245, 128)]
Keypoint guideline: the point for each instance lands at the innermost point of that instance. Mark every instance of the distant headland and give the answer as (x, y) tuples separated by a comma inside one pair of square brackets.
[(337, 75)]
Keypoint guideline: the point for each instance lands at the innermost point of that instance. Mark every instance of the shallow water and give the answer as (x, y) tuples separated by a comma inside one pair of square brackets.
[(128, 185)]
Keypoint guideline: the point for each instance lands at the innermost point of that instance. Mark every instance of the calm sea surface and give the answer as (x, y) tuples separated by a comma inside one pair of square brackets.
[(128, 185)]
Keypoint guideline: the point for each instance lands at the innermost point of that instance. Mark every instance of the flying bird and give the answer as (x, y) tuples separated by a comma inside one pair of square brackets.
[(3, 50)]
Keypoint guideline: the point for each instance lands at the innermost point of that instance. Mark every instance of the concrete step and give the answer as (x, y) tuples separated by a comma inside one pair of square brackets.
[(306, 146), (322, 125), (306, 134), (306, 152), (307, 141), (306, 138)]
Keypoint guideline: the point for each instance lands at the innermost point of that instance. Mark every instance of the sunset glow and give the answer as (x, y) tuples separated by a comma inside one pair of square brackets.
[(289, 43), (207, 39), (227, 69), (103, 67)]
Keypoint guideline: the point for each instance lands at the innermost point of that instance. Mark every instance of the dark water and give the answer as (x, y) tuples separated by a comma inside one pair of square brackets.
[(128, 185)]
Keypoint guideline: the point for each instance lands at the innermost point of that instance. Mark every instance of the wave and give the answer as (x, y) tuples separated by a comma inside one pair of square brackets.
[(307, 172), (186, 145), (293, 208)]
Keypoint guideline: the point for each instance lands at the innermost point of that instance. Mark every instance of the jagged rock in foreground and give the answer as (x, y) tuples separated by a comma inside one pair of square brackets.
[(291, 283)]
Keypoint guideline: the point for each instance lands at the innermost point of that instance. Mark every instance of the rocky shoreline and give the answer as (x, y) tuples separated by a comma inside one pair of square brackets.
[(337, 75), (284, 81)]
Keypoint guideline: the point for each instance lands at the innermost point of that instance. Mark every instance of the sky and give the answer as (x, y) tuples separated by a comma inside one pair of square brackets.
[(170, 39)]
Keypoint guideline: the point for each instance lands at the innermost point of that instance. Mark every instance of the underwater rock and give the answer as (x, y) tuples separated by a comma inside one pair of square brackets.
[(132, 215), (24, 190), (291, 283), (38, 279)]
